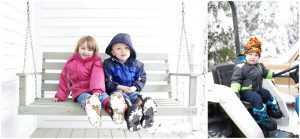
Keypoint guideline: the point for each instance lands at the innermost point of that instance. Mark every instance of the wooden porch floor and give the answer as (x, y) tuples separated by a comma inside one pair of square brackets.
[(102, 133)]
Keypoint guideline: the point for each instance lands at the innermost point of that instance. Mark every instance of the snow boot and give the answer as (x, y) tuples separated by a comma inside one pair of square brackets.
[(117, 107), (149, 108), (264, 122), (273, 109), (93, 110), (133, 115)]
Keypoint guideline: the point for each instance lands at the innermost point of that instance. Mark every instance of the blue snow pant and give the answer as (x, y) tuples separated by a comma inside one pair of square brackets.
[(81, 99), (256, 98), (133, 96)]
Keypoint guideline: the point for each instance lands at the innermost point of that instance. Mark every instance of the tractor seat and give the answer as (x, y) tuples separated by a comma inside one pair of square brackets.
[(222, 75)]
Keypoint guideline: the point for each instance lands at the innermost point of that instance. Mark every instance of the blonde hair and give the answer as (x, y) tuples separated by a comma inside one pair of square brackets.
[(91, 44)]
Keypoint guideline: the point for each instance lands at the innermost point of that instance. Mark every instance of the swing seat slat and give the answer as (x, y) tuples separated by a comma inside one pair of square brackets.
[(45, 106), (158, 82)]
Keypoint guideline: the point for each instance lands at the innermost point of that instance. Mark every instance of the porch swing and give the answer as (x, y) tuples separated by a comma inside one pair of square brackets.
[(45, 106)]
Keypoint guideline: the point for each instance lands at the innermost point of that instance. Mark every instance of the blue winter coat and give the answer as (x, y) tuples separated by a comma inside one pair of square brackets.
[(129, 73)]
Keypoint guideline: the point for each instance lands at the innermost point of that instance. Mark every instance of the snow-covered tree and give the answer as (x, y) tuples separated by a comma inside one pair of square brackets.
[(275, 23), (220, 32)]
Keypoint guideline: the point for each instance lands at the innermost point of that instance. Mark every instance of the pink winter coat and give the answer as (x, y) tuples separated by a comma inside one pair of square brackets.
[(81, 75)]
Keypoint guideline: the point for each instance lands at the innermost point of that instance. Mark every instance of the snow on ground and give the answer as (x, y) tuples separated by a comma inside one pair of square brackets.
[(179, 128)]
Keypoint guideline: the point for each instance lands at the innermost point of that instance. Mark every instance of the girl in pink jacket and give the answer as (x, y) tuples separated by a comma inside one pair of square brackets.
[(83, 75)]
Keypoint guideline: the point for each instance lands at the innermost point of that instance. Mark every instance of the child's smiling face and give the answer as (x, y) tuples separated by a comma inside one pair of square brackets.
[(121, 51), (85, 52), (252, 58)]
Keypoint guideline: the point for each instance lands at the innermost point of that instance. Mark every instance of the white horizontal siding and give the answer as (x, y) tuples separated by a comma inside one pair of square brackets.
[(151, 24), (13, 23)]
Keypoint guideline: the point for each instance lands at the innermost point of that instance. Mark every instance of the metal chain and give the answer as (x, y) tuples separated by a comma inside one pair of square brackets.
[(204, 71), (29, 35), (183, 33)]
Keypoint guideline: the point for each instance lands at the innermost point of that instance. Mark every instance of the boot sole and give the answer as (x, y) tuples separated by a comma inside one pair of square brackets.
[(134, 121), (93, 115), (150, 109), (148, 120), (117, 102)]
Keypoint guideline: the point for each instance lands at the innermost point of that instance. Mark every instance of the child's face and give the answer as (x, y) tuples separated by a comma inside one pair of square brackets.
[(85, 52), (252, 58), (121, 51)]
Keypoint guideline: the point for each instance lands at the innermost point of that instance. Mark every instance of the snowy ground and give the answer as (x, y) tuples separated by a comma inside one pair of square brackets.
[(177, 127)]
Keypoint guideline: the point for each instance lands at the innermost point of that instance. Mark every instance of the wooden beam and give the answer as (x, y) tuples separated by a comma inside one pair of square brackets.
[(192, 90), (22, 90)]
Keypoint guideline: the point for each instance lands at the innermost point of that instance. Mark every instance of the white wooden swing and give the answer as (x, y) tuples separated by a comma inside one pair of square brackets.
[(45, 106)]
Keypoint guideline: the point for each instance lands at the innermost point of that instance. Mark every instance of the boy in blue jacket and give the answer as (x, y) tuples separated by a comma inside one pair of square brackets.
[(125, 77)]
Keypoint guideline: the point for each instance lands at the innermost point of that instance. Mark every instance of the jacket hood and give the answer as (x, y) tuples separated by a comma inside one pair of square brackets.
[(121, 38)]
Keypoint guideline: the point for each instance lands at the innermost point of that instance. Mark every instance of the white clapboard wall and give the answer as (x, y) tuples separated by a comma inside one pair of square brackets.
[(154, 26), (13, 22)]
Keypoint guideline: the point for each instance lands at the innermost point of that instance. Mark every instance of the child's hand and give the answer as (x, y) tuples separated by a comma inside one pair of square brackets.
[(55, 99), (133, 89), (126, 89), (96, 94)]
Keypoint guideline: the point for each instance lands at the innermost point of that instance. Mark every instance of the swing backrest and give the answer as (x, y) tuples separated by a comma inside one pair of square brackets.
[(222, 73), (155, 64)]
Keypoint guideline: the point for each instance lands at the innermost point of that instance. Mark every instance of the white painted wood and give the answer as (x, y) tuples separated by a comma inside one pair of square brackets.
[(143, 134), (64, 133), (48, 107), (138, 41), (68, 31), (78, 133), (12, 26), (91, 133), (118, 133), (112, 133), (105, 133), (51, 133), (129, 134), (22, 90), (192, 90), (235, 109), (38, 133), (284, 121)]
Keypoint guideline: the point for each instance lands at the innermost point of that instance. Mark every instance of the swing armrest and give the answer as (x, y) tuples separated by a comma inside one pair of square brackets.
[(29, 74), (22, 86), (192, 86)]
